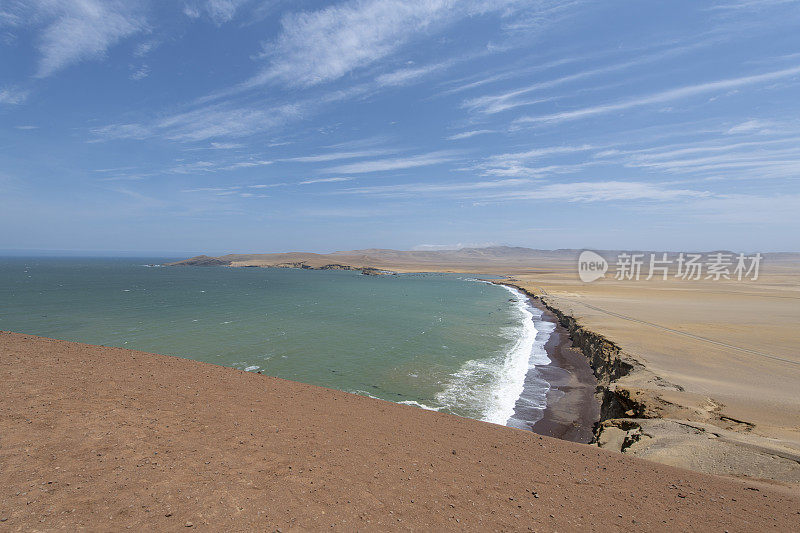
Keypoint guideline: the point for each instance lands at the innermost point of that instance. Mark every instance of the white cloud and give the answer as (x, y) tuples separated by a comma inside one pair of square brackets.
[(407, 75), (206, 123), (771, 158), (122, 131), (381, 165), (335, 156), (416, 189), (211, 122), (323, 45), (662, 97), (219, 11), (526, 189), (247, 164), (142, 49), (518, 163), (324, 180), (266, 185), (76, 31), (140, 73), (193, 168), (13, 96), (468, 134), (751, 126), (490, 104)]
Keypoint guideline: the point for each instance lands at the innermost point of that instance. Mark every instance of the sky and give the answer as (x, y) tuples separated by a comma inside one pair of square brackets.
[(261, 126)]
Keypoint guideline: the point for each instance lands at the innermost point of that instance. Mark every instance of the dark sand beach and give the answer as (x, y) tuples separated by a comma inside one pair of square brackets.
[(114, 439), (572, 406)]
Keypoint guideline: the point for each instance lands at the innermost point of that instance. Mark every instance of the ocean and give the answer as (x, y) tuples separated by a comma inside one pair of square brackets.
[(445, 342)]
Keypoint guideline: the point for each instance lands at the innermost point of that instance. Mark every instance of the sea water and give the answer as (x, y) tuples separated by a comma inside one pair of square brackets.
[(438, 341)]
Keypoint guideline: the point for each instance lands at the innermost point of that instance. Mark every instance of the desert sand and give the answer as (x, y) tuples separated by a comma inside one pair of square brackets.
[(713, 367), (113, 439)]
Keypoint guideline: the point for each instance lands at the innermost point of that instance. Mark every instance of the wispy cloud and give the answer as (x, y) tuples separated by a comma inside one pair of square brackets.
[(751, 126), (193, 168), (219, 11), (468, 134), (713, 159), (335, 156), (319, 46), (662, 97), (516, 71), (142, 49), (496, 103), (526, 189), (382, 165), (204, 123), (13, 96), (407, 75), (76, 31), (224, 146), (324, 180), (517, 164), (140, 73), (266, 185), (417, 189), (250, 163)]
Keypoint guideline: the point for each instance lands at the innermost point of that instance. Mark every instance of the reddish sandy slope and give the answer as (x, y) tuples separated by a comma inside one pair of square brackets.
[(111, 439)]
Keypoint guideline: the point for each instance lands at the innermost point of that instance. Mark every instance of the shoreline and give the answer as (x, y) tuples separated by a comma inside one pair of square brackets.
[(572, 409), (573, 414)]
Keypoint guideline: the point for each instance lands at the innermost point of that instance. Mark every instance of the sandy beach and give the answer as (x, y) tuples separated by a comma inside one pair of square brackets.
[(572, 404), (113, 439)]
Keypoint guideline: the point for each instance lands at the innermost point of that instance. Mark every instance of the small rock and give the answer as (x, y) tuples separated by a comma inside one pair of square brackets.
[(189, 524)]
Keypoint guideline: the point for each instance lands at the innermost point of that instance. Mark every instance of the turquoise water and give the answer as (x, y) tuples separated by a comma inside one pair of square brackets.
[(439, 341)]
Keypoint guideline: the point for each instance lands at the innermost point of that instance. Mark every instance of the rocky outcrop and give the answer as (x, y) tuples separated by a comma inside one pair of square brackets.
[(370, 271), (200, 260), (335, 266), (299, 264), (605, 357)]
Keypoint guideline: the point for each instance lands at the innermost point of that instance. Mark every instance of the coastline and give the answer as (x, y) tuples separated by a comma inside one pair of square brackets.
[(572, 408), (109, 438), (678, 382)]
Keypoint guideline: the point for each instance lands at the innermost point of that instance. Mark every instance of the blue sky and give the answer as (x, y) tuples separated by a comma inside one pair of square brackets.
[(247, 126)]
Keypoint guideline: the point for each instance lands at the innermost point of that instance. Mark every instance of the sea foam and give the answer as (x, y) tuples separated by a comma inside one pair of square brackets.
[(495, 384)]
